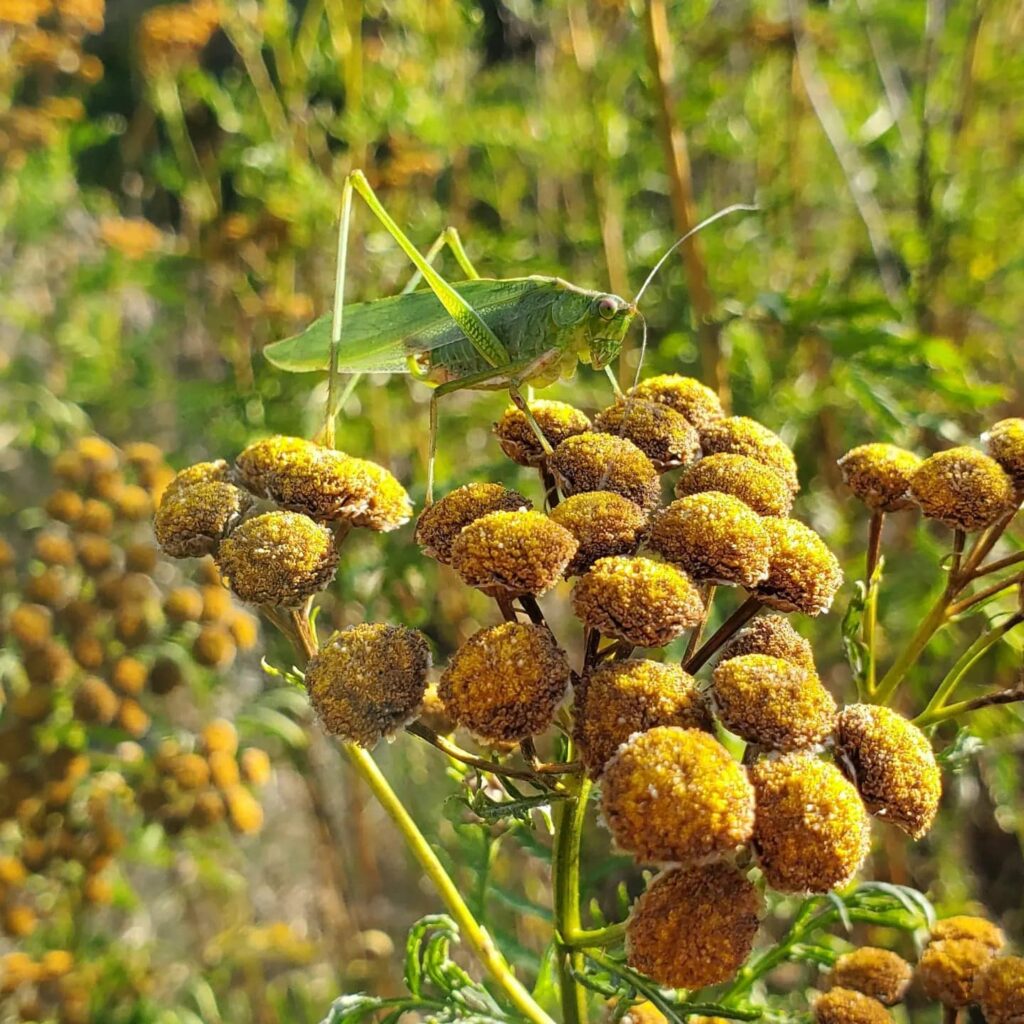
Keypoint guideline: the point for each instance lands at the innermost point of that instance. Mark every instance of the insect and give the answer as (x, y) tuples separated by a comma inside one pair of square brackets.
[(481, 334)]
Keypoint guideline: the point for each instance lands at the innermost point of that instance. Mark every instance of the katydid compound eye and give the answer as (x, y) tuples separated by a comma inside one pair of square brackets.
[(607, 307)]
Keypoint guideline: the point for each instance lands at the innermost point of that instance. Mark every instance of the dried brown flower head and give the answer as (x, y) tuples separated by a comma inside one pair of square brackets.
[(603, 524), (440, 524), (557, 421), (715, 537), (675, 795), (694, 926), (772, 635), (741, 435), (811, 832), (505, 683), (368, 681), (1004, 441), (947, 969), (521, 552), (999, 990), (621, 698), (193, 520), (697, 402), (643, 602), (606, 462), (962, 926), (278, 558), (962, 488), (803, 575), (845, 1006), (662, 434), (875, 972), (754, 483), (879, 474), (892, 764)]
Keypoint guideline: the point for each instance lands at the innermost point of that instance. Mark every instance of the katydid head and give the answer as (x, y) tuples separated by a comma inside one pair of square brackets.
[(608, 319)]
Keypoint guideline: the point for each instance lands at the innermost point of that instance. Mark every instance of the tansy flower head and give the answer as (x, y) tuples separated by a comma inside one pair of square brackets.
[(368, 681), (95, 553), (95, 702), (439, 524), (811, 832), (879, 474), (1004, 441), (673, 794), (892, 764), (741, 435), (803, 575), (557, 421), (962, 926), (662, 434), (193, 521), (693, 926), (96, 517), (772, 702), (846, 1006), (53, 548), (697, 402), (603, 524), (505, 683), (31, 625), (244, 811), (521, 552), (216, 471), (64, 506), (278, 558), (999, 990), (773, 635), (606, 462), (947, 970), (621, 698), (754, 483), (875, 972), (213, 647), (258, 462), (962, 488), (183, 604), (643, 602), (165, 675), (715, 537), (219, 736)]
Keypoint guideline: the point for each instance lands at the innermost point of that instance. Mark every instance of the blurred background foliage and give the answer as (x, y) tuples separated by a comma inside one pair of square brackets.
[(169, 183)]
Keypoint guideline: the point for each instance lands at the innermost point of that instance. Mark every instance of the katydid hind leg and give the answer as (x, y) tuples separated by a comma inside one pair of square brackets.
[(524, 407)]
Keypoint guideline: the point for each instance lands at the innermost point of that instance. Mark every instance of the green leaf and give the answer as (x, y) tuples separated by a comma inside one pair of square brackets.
[(546, 990), (855, 648)]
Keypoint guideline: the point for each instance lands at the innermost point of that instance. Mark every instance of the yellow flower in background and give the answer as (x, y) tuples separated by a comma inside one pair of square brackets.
[(86, 15), (175, 33), (22, 12), (133, 237)]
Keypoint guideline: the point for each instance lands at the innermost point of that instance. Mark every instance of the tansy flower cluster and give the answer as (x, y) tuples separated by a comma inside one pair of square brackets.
[(98, 664), (962, 964)]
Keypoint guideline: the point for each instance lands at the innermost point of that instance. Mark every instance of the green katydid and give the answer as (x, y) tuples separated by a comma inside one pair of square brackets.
[(481, 334)]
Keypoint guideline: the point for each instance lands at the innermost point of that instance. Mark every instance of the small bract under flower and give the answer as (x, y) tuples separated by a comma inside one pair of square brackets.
[(278, 558), (674, 794), (645, 603), (603, 524), (505, 683), (772, 702), (439, 524), (693, 926), (947, 969), (875, 972), (368, 681), (741, 435), (845, 1006), (625, 697), (193, 520), (1004, 441), (962, 926), (892, 764), (999, 990), (811, 832), (715, 537), (754, 483), (962, 488), (688, 396), (557, 421), (662, 434), (521, 552), (879, 474), (606, 462), (803, 575), (773, 635)]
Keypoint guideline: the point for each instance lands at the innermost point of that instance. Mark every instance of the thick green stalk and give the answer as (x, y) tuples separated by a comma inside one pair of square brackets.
[(963, 664), (566, 867), (472, 933), (596, 938)]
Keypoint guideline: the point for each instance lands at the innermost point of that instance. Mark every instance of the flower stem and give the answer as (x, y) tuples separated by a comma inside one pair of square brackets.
[(733, 624), (948, 685), (566, 867), (708, 594), (596, 938), (930, 625), (474, 935)]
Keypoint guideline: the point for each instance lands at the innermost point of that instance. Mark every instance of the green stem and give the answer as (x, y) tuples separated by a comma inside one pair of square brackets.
[(473, 934), (963, 664), (595, 938), (930, 625), (566, 867), (873, 578)]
